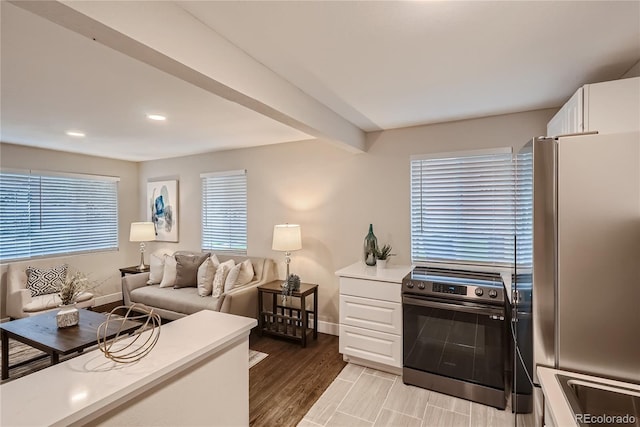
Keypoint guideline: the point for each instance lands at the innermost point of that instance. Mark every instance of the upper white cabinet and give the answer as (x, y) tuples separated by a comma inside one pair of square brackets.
[(569, 118), (608, 107)]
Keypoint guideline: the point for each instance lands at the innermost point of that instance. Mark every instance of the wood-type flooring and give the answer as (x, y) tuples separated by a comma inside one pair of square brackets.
[(285, 385)]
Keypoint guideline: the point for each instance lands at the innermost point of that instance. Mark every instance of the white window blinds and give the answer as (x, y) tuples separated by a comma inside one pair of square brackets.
[(524, 209), (224, 211), (462, 209), (45, 213)]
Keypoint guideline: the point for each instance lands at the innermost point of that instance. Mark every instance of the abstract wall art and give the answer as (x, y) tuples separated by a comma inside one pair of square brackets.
[(162, 209)]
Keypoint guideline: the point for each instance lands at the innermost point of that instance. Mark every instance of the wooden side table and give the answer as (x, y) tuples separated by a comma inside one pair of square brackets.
[(133, 270), (288, 319)]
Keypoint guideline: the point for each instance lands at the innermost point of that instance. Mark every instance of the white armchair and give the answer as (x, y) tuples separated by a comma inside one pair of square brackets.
[(20, 303)]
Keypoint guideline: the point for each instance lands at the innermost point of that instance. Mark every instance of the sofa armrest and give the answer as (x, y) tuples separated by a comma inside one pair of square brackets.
[(131, 282), (242, 301), (17, 293), (16, 300)]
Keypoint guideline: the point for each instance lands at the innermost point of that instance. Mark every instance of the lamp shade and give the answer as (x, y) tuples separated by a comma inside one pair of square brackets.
[(286, 237), (142, 232)]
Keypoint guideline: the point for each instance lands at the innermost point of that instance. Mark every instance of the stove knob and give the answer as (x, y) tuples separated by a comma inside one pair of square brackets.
[(409, 285), (479, 292), (493, 293), (421, 285)]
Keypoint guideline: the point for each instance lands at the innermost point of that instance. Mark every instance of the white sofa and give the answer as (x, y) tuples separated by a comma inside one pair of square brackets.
[(21, 304), (173, 304)]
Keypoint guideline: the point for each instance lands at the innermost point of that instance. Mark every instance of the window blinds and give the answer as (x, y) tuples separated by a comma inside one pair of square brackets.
[(224, 211), (524, 209), (44, 214), (462, 209)]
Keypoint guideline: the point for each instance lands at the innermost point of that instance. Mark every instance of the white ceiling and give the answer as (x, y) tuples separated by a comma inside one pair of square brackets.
[(378, 65)]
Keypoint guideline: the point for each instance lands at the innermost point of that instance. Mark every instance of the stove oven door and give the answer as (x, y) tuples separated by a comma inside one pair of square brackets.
[(458, 340)]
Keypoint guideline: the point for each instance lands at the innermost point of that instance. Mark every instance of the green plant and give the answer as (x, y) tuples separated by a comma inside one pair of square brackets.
[(292, 284), (383, 252)]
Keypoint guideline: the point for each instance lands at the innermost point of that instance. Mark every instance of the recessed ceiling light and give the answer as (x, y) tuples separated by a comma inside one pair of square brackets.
[(156, 117), (75, 133)]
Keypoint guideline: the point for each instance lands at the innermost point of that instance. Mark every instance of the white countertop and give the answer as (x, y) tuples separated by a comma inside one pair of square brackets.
[(91, 383), (555, 400), (359, 270)]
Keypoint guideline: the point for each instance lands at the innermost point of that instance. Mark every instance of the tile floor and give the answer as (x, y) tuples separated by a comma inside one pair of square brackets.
[(365, 397)]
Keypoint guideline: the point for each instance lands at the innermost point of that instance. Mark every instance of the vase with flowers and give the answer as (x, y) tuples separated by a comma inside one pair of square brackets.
[(68, 290)]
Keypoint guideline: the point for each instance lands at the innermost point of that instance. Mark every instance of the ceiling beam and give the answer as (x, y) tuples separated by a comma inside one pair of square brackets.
[(164, 35)]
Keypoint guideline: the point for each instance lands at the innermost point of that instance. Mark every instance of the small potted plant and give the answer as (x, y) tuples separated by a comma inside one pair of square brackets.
[(382, 255), (68, 291), (291, 285)]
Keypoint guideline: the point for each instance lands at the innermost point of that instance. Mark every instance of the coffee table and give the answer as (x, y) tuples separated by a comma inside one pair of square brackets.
[(41, 332)]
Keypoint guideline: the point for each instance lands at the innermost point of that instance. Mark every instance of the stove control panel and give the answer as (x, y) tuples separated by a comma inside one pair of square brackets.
[(476, 288), (444, 288)]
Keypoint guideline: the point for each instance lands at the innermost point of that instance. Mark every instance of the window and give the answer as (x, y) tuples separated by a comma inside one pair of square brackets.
[(224, 211), (462, 209), (524, 208), (46, 213)]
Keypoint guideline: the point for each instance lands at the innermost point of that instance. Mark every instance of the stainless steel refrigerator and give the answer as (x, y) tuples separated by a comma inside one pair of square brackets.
[(576, 291)]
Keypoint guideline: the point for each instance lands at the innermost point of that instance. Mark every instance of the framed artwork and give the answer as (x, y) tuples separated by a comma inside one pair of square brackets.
[(162, 209)]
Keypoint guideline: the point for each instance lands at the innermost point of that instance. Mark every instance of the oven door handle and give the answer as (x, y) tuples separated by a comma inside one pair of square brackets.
[(489, 311)]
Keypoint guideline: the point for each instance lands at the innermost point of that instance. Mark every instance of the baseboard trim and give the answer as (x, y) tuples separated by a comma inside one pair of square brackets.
[(108, 299), (328, 328), (371, 364)]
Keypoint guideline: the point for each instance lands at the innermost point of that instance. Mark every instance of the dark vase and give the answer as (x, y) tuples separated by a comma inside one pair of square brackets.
[(370, 246)]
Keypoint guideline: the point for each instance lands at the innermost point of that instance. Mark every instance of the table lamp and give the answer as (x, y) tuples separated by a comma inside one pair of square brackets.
[(286, 238), (142, 232)]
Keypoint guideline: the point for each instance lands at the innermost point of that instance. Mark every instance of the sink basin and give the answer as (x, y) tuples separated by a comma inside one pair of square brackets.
[(595, 403)]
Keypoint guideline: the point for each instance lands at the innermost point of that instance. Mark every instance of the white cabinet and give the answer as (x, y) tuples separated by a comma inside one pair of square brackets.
[(369, 313), (607, 107), (371, 316), (569, 118)]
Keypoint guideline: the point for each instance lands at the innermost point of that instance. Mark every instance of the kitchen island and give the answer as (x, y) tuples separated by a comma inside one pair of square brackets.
[(197, 374)]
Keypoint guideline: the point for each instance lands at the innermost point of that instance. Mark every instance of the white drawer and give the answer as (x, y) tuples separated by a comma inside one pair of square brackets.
[(383, 316), (371, 345), (385, 291)]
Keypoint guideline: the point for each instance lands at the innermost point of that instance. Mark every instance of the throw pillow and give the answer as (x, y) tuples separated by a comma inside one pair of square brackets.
[(169, 273), (246, 273), (218, 280), (187, 270), (206, 273), (156, 269), (221, 276), (43, 281), (230, 281), (215, 260)]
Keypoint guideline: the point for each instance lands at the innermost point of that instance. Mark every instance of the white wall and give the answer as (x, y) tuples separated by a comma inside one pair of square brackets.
[(101, 267), (333, 194)]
